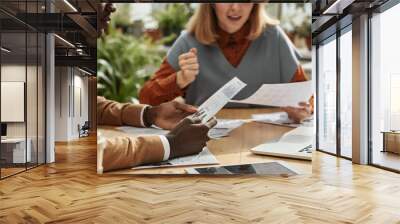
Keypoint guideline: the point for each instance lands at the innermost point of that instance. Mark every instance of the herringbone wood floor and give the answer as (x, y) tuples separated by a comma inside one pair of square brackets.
[(70, 191)]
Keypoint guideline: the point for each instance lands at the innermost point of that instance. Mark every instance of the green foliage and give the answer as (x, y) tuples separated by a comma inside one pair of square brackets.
[(172, 20), (121, 18), (124, 63)]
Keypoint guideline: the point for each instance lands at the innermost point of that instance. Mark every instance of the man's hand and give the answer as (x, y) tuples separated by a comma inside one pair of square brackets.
[(167, 115), (299, 114), (189, 137)]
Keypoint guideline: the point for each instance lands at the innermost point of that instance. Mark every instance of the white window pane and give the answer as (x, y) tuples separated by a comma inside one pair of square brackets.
[(346, 94), (327, 97), (385, 80)]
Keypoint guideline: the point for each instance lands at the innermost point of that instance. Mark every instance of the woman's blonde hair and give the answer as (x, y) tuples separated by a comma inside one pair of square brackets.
[(203, 24)]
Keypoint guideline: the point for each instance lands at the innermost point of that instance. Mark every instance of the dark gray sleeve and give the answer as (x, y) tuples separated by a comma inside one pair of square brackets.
[(287, 57), (179, 47)]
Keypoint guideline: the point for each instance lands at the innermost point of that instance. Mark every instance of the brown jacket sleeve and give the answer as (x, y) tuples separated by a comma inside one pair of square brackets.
[(126, 152), (300, 76), (161, 87), (113, 113)]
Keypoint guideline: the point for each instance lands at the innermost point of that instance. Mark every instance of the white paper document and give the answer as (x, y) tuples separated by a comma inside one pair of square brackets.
[(280, 118), (219, 99), (142, 131), (205, 157), (274, 118), (280, 95), (229, 123), (222, 129)]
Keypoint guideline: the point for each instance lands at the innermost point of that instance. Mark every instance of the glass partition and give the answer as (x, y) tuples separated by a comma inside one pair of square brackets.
[(327, 96), (346, 93), (22, 88), (15, 149), (385, 89)]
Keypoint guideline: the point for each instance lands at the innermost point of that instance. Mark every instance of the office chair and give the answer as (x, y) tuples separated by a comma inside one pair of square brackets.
[(84, 130)]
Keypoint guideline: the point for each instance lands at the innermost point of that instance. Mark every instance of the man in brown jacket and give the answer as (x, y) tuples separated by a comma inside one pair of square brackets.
[(188, 136)]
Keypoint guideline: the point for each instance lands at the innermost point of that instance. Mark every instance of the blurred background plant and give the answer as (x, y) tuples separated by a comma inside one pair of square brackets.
[(172, 20), (122, 18), (124, 63), (140, 34)]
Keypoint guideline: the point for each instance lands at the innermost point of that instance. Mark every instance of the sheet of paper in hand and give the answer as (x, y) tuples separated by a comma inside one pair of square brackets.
[(280, 95), (219, 99), (205, 157)]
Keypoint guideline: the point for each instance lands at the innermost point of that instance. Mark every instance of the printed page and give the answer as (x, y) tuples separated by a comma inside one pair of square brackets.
[(280, 95), (219, 99)]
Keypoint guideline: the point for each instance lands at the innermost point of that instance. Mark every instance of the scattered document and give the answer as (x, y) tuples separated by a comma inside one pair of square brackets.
[(274, 118), (205, 157), (280, 118), (229, 123), (219, 99), (280, 95), (142, 131), (222, 129)]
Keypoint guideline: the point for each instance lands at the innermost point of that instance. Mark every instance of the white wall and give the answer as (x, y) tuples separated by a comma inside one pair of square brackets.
[(10, 73), (16, 73), (34, 125), (61, 103), (71, 105)]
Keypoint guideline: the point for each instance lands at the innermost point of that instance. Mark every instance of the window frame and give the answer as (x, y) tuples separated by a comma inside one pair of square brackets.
[(333, 37)]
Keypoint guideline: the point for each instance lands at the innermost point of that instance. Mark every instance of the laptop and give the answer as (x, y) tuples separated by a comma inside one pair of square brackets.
[(295, 144), (285, 150)]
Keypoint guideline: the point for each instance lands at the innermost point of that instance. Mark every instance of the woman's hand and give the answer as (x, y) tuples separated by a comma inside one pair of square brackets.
[(299, 114), (189, 68), (167, 115)]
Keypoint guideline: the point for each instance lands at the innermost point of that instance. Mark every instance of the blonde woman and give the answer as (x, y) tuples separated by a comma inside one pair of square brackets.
[(223, 40)]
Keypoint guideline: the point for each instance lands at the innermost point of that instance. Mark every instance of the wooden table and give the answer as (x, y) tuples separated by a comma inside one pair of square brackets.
[(234, 149)]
